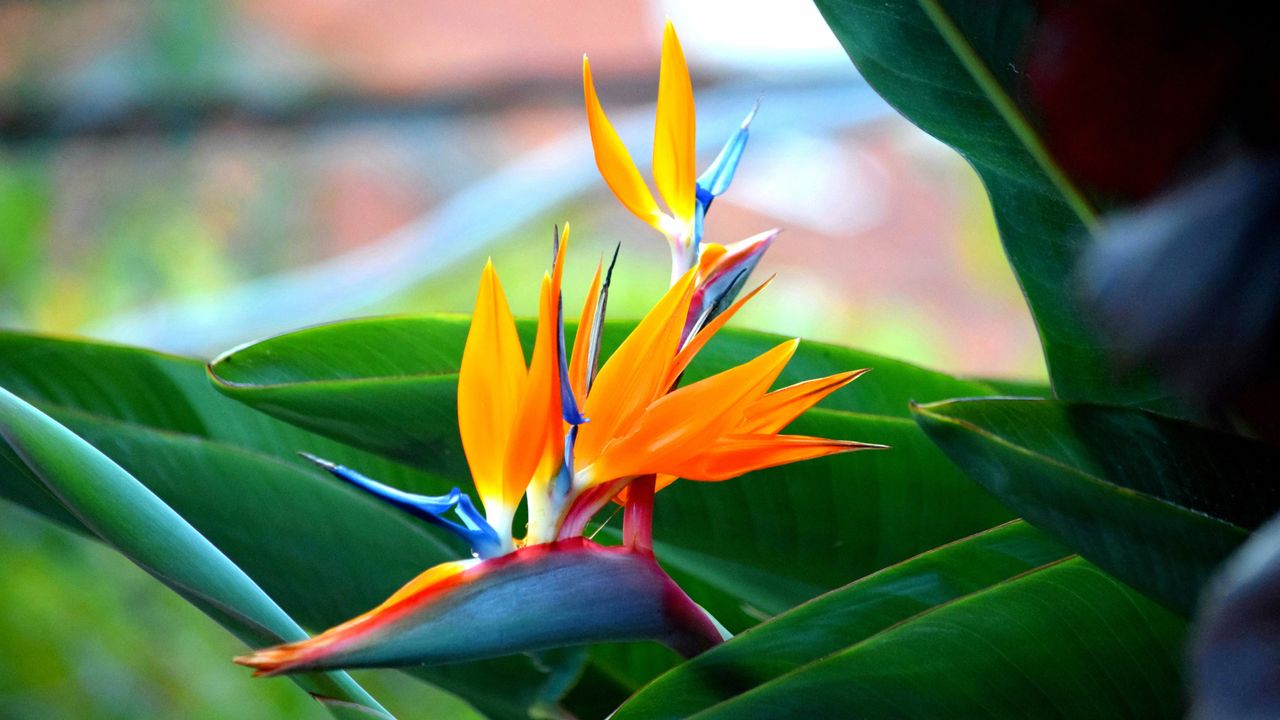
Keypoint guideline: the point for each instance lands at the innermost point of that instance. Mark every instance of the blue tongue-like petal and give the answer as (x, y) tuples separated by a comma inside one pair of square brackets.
[(568, 403), (431, 508), (715, 180), (597, 323)]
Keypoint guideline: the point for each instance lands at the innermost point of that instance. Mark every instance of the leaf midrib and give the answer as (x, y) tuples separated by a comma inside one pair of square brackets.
[(1103, 483), (880, 634), (219, 446), (1008, 111)]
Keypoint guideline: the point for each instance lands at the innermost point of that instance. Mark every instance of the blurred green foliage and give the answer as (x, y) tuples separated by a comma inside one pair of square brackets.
[(24, 213), (89, 635)]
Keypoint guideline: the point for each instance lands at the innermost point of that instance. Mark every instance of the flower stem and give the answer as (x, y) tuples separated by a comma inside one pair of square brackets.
[(637, 519)]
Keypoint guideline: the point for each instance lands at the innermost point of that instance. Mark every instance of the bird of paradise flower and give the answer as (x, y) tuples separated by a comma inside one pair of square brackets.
[(568, 439)]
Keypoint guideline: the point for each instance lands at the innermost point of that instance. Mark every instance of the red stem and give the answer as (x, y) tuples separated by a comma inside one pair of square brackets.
[(637, 518)]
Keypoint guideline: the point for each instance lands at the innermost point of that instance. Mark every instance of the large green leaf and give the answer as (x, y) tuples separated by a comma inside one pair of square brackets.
[(745, 549), (387, 384), (748, 548), (323, 552), (1157, 502), (150, 390), (129, 517), (1001, 624), (760, 544), (950, 66)]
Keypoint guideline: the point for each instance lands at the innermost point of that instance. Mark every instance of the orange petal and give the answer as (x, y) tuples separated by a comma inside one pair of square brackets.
[(710, 257), (633, 376), (281, 658), (736, 455), (432, 576), (580, 360), (557, 265), (699, 340), (686, 422), (615, 163), (536, 447), (776, 410), (674, 131), (490, 381)]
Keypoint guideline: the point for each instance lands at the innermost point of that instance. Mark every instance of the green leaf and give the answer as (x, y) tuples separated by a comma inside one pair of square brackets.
[(758, 545), (126, 515), (950, 66), (324, 552), (1019, 388), (1157, 502), (745, 549), (1001, 624), (388, 384)]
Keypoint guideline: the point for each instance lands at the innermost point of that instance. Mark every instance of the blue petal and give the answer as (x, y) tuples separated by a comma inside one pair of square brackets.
[(719, 291), (717, 177), (564, 479), (699, 218), (568, 403), (431, 508), (597, 323), (722, 292)]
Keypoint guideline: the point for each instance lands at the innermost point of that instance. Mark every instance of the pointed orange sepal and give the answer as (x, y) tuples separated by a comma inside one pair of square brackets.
[(736, 455), (613, 160), (776, 410), (536, 446), (674, 139), (699, 340), (682, 424), (633, 376), (580, 360), (490, 381)]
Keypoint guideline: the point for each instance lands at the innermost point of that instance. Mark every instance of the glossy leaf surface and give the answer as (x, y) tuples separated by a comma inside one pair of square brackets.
[(387, 384), (126, 515), (744, 549), (951, 67), (747, 548), (1002, 624), (324, 552), (1158, 502)]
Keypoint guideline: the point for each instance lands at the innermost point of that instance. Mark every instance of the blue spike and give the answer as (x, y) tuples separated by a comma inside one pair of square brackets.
[(721, 294), (699, 217), (568, 403), (564, 479), (719, 174), (597, 323), (471, 517), (477, 532)]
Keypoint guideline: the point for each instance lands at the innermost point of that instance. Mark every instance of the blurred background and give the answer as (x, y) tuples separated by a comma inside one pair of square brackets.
[(193, 175)]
